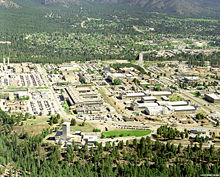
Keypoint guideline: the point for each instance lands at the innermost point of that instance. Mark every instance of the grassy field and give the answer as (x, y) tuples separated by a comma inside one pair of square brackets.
[(33, 126), (124, 133), (86, 128), (176, 98), (66, 107)]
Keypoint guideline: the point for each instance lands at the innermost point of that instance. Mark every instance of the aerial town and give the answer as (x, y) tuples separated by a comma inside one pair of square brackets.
[(97, 98)]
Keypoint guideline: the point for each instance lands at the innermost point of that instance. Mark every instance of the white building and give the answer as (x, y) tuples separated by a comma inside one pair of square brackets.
[(181, 108), (135, 95), (148, 98), (135, 106), (66, 130), (172, 103), (158, 110), (90, 139), (161, 93)]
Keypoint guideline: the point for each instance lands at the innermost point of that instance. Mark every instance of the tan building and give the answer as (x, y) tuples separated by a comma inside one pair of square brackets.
[(213, 98)]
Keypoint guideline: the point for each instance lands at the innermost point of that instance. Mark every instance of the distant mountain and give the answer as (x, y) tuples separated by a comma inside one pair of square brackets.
[(175, 6), (183, 7)]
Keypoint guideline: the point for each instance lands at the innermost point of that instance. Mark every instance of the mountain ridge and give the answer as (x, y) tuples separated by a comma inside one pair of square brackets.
[(181, 7)]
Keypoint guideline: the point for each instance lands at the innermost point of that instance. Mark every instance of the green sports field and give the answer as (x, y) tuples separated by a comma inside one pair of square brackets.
[(124, 133)]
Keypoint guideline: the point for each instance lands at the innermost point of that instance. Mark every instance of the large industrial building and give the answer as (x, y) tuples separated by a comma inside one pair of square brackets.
[(158, 110), (181, 108), (172, 103), (213, 98), (136, 106), (84, 99), (148, 98)]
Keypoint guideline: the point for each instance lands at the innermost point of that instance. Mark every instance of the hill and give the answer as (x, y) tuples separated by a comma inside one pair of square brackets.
[(66, 30), (190, 7), (181, 7)]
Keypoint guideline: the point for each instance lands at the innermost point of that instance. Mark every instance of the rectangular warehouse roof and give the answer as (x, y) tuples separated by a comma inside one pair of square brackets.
[(140, 94), (182, 108), (172, 103), (149, 98), (213, 96), (161, 93), (144, 105)]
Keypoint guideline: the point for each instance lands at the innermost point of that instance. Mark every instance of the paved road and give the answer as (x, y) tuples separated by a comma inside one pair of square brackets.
[(201, 102)]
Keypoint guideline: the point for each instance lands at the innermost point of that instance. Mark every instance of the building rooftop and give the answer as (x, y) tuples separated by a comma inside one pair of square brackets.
[(66, 123), (149, 98), (182, 108), (158, 93), (213, 96), (147, 105), (141, 94)]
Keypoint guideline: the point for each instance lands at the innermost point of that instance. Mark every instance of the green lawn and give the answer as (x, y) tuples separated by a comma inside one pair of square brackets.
[(33, 126), (86, 128), (66, 107), (124, 133), (176, 98)]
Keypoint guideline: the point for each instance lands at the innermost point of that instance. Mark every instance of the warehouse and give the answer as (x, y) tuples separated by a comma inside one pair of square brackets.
[(84, 99), (135, 95), (135, 106), (213, 98), (161, 93), (158, 110), (181, 108), (148, 98), (191, 79), (172, 103), (113, 76)]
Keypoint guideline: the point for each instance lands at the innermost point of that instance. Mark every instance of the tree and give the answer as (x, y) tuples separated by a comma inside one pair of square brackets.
[(182, 135), (200, 116), (116, 81), (58, 116), (198, 94), (26, 116), (73, 122)]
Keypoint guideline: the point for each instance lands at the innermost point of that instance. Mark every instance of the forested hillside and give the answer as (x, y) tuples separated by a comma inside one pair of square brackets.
[(84, 30), (175, 6), (24, 155)]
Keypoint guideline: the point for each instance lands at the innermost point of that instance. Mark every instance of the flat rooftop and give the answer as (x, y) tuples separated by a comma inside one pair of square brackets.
[(213, 96)]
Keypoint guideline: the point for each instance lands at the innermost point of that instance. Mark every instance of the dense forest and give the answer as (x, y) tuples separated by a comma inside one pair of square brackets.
[(85, 31), (194, 60), (26, 155)]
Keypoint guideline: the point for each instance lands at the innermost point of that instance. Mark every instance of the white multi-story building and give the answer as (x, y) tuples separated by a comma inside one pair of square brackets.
[(66, 130)]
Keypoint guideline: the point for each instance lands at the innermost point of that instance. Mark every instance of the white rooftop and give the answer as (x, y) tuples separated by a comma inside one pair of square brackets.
[(177, 103), (213, 96), (157, 93), (173, 103), (90, 138), (184, 108), (144, 105), (135, 94), (118, 75), (149, 98), (150, 108), (66, 123)]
